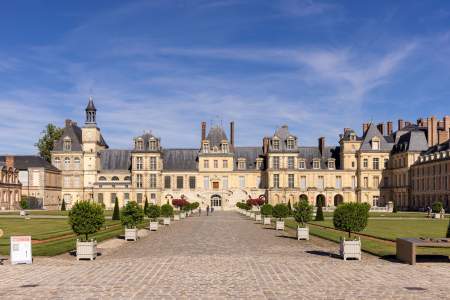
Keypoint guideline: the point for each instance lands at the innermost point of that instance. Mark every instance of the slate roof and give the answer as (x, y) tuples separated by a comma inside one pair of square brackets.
[(370, 134), (146, 137), (282, 133), (215, 136), (73, 131), (113, 159), (91, 105), (414, 140), (249, 153), (23, 162), (310, 153), (180, 159), (437, 148)]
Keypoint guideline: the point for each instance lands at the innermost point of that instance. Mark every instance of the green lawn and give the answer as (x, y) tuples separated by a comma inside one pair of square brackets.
[(46, 212), (402, 214)]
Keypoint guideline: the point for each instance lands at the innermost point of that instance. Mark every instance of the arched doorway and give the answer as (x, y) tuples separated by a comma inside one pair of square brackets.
[(338, 199), (303, 197), (216, 201), (320, 200)]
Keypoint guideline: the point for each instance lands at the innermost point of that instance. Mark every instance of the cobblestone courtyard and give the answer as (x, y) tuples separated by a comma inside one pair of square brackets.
[(223, 256)]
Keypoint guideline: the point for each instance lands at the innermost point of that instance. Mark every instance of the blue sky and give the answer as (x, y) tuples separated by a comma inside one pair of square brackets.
[(165, 66)]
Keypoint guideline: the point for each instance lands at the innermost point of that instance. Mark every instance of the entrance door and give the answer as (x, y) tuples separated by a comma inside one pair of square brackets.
[(216, 201)]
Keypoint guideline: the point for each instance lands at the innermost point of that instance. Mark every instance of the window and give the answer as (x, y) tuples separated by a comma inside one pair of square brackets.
[(302, 165), (259, 163), (139, 145), (66, 163), (66, 181), (365, 163), (205, 147), (139, 180), (385, 163), (225, 163), (331, 164), (76, 181), (139, 163), (375, 201), (258, 181), (225, 182), (376, 181), (366, 182), (353, 182), (225, 147), (338, 182), (276, 144), (152, 145), (153, 196), (290, 163), (179, 182), (113, 198), (303, 182), (57, 162), (139, 197), (316, 164), (127, 178), (67, 144), (290, 144), (216, 164), (375, 145), (242, 181), (76, 163), (353, 163), (291, 181), (192, 182), (215, 185), (115, 178), (152, 163), (241, 164), (152, 181), (276, 181), (206, 182), (102, 178), (167, 182), (126, 196), (320, 182), (276, 163), (206, 164), (100, 198), (376, 163)]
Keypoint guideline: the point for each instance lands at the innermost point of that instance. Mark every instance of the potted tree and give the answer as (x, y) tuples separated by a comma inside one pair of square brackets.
[(153, 212), (351, 217), (280, 211), (166, 213), (436, 208), (303, 213), (131, 215), (266, 211), (86, 218)]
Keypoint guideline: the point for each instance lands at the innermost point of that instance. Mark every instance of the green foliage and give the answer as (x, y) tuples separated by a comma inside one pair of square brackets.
[(184, 208), (448, 230), (436, 207), (86, 218), (290, 207), (319, 214), (280, 211), (131, 215), (266, 210), (153, 211), (194, 205), (394, 208), (351, 217), (116, 212), (145, 206), (320, 201), (303, 212), (63, 205), (166, 210), (50, 134), (23, 204)]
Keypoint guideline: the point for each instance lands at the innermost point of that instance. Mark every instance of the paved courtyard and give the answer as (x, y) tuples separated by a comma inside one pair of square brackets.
[(223, 256)]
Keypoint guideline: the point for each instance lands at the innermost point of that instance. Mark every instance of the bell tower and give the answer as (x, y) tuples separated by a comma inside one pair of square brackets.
[(91, 113)]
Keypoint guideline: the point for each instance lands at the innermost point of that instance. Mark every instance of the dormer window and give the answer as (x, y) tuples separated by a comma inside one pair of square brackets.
[(276, 144), (352, 136), (290, 143), (139, 144), (152, 145), (215, 149), (205, 147), (67, 144), (302, 164), (331, 164), (241, 164), (259, 163), (375, 143), (224, 147), (316, 164)]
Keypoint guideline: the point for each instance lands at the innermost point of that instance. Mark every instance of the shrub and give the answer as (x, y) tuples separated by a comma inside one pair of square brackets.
[(448, 230), (289, 207), (145, 206), (303, 212), (436, 207), (86, 218), (131, 215), (180, 203), (194, 205), (266, 210), (351, 217), (255, 202), (394, 208), (319, 214), (63, 205), (153, 212), (116, 212), (280, 211), (166, 210), (23, 204), (187, 207)]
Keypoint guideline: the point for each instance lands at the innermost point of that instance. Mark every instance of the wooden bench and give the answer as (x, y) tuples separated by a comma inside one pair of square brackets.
[(406, 247)]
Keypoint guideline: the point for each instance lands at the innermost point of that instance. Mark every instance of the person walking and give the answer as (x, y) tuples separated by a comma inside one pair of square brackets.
[(207, 210), (199, 211)]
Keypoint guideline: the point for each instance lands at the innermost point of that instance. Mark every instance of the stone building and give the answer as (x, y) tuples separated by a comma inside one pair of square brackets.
[(10, 186)]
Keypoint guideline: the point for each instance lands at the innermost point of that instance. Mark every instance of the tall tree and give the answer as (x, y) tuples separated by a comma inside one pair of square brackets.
[(50, 134), (116, 212)]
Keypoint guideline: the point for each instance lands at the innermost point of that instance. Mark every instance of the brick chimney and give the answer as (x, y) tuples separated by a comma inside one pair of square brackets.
[(9, 160), (432, 131), (346, 129), (321, 145), (446, 123), (266, 141), (232, 133), (380, 127), (68, 122), (203, 131), (365, 127), (401, 124), (389, 128)]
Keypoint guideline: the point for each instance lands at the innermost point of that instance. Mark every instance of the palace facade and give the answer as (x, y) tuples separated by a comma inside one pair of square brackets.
[(374, 167), (10, 186)]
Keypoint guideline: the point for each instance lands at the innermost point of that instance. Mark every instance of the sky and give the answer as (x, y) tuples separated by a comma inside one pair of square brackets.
[(165, 66)]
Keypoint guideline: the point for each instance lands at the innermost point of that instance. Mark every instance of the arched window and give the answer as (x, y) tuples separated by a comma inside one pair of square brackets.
[(139, 144), (76, 162), (152, 145), (115, 178), (66, 162), (67, 144), (102, 178), (57, 162), (127, 178)]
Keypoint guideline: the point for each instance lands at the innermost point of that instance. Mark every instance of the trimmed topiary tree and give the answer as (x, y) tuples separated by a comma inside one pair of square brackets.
[(145, 206), (303, 212), (194, 205), (289, 207), (319, 214), (131, 215), (116, 212), (436, 207), (63, 205), (266, 210), (153, 212), (166, 211), (351, 217), (86, 218), (280, 211)]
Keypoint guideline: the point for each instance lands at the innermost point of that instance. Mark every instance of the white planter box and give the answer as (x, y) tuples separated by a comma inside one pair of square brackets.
[(176, 217), (303, 233), (436, 216), (86, 250), (166, 221), (258, 218), (252, 215), (23, 213), (350, 249), (279, 225), (267, 221), (183, 215), (131, 234), (153, 226)]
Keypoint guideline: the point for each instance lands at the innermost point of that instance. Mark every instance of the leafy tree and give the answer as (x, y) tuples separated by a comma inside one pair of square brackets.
[(145, 205), (266, 210), (86, 218), (63, 205), (50, 134), (280, 211), (116, 212), (319, 214), (23, 204), (303, 212), (153, 212), (131, 215), (436, 207), (351, 217), (166, 210)]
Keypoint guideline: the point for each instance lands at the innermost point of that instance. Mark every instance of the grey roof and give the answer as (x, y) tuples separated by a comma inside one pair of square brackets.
[(91, 105), (180, 159), (249, 153), (282, 133), (437, 148), (370, 134), (311, 153), (215, 136), (23, 162), (112, 159), (146, 137), (347, 135), (414, 140), (73, 131)]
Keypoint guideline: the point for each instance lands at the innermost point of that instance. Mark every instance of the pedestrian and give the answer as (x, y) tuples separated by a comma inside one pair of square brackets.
[(199, 211), (429, 211), (207, 210), (212, 209)]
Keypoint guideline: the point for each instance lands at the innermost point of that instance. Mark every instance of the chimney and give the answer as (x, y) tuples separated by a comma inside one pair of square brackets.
[(432, 131), (347, 130), (321, 145), (401, 124), (232, 133), (203, 131), (9, 160), (446, 123), (365, 127), (380, 127), (265, 145), (68, 122), (389, 127)]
